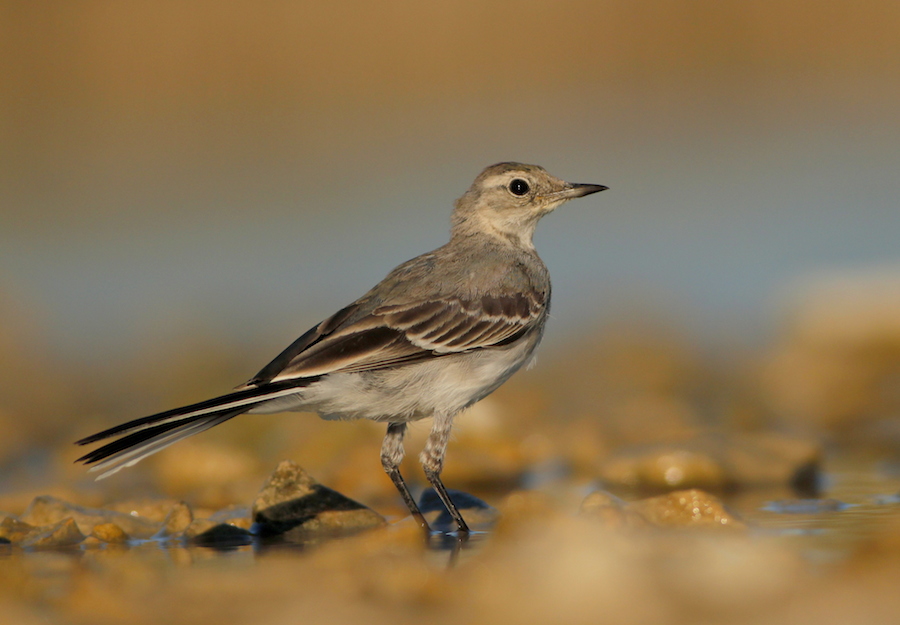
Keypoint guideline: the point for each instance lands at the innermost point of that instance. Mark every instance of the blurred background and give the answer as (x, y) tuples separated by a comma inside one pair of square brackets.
[(186, 187)]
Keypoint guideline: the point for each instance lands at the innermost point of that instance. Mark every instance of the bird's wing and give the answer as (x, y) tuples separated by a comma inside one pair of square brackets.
[(396, 334)]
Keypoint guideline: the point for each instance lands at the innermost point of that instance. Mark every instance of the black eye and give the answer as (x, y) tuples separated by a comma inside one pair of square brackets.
[(519, 187)]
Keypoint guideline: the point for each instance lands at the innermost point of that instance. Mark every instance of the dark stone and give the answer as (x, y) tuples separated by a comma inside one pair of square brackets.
[(281, 517), (292, 502), (223, 536)]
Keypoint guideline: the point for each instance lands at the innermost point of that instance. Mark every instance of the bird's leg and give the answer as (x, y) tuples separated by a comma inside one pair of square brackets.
[(391, 457), (432, 459)]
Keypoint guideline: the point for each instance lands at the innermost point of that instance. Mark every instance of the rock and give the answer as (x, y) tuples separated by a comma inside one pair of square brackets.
[(155, 510), (688, 509), (92, 542), (46, 510), (477, 514), (717, 462), (610, 511), (109, 533), (15, 530), (209, 533), (177, 520), (63, 534), (294, 505)]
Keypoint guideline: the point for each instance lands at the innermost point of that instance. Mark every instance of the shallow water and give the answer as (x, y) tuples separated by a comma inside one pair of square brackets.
[(860, 499), (393, 573)]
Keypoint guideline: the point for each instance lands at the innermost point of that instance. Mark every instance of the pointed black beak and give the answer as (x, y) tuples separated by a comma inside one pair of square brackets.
[(580, 190), (574, 190)]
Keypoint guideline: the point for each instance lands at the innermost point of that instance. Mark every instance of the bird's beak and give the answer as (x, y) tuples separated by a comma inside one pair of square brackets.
[(574, 190), (580, 190)]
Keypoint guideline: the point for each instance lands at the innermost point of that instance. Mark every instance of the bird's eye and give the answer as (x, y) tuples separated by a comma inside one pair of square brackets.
[(519, 187)]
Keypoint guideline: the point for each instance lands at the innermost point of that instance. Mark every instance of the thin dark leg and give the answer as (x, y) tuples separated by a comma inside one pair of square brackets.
[(391, 456), (432, 459), (439, 488), (397, 479)]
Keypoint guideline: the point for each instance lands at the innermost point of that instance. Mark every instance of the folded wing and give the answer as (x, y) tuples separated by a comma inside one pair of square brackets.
[(404, 333)]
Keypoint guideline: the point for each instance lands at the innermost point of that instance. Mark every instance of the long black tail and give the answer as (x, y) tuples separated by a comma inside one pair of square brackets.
[(135, 440)]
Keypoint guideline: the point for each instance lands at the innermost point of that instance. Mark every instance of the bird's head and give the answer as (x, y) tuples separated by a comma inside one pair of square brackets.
[(508, 199)]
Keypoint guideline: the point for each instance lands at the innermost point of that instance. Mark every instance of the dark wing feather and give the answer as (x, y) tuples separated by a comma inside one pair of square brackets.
[(455, 325), (404, 333), (292, 351)]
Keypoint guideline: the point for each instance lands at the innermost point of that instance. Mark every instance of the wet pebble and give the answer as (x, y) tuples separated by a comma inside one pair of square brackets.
[(177, 520), (47, 510), (62, 534), (109, 533), (610, 511), (688, 509), (155, 510), (15, 530)]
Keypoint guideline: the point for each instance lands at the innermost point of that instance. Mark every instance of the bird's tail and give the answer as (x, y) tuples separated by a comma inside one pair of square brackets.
[(135, 440)]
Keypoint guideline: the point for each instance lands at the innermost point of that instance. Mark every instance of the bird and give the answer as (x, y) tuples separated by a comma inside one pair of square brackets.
[(439, 333)]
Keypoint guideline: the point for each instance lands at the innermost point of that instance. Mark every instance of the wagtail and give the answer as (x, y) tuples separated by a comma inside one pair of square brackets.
[(439, 333)]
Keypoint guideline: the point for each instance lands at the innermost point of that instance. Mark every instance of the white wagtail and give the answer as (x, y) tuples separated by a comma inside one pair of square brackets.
[(439, 333)]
